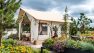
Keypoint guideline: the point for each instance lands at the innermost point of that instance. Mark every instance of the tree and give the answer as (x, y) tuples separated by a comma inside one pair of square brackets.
[(91, 29), (73, 27), (83, 23), (64, 26), (7, 12)]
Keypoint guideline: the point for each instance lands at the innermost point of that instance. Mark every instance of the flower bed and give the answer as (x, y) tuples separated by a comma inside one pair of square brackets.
[(70, 46), (20, 49), (10, 46), (56, 45), (16, 49), (89, 36), (88, 41), (48, 44), (7, 42), (79, 47)]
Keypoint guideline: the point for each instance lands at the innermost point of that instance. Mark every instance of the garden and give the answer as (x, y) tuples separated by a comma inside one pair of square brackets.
[(61, 45), (82, 42), (56, 45), (11, 46)]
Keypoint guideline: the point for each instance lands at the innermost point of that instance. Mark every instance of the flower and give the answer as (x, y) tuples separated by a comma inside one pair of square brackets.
[(23, 49), (2, 46)]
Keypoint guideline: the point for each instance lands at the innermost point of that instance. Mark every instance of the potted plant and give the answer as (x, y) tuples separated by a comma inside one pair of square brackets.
[(35, 42)]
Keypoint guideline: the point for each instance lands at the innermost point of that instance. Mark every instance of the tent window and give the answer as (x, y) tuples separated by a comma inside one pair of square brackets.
[(42, 28)]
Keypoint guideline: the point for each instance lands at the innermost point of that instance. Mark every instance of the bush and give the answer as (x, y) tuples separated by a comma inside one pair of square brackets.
[(58, 47), (20, 49), (39, 51), (89, 34), (17, 49), (72, 44), (13, 36), (48, 43), (89, 41), (7, 42), (56, 44), (80, 45), (62, 38), (45, 51), (86, 47)]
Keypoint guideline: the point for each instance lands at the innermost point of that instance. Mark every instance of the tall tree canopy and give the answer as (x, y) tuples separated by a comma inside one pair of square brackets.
[(7, 12), (73, 27), (83, 23), (64, 26)]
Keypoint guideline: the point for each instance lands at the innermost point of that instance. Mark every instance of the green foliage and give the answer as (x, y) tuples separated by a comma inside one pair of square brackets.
[(83, 46), (26, 27), (83, 23), (64, 26), (72, 44), (86, 46), (91, 29), (45, 51), (58, 47), (48, 43), (7, 42), (16, 49), (56, 44), (89, 41), (10, 46), (38, 51), (7, 12), (13, 36), (73, 27)]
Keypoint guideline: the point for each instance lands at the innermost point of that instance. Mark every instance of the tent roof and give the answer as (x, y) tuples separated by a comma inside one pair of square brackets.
[(52, 15)]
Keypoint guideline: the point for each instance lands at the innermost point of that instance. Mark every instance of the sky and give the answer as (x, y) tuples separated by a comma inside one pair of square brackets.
[(75, 7)]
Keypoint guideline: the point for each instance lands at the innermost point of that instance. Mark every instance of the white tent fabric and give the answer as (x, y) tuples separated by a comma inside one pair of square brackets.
[(52, 15)]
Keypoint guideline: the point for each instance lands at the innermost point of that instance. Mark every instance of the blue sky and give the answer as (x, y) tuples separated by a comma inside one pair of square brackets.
[(74, 6)]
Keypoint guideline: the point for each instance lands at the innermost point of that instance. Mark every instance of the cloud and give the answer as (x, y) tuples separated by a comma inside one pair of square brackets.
[(49, 4), (38, 4), (86, 7), (75, 7)]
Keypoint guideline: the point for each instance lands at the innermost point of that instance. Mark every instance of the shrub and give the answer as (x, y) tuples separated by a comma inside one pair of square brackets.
[(7, 42), (72, 44), (83, 46), (86, 47), (36, 51), (48, 43), (89, 41), (62, 38), (89, 34), (58, 47), (39, 51), (45, 51), (16, 49), (13, 36), (20, 49)]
